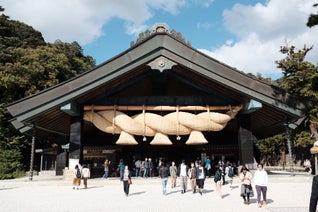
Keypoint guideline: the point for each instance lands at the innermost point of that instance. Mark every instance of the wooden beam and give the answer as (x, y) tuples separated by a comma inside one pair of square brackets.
[(161, 108)]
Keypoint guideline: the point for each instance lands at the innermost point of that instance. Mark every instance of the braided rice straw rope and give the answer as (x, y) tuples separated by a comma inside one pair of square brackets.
[(148, 124)]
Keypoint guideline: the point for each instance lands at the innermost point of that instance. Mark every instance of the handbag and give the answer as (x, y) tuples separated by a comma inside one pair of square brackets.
[(251, 191), (129, 181), (247, 189)]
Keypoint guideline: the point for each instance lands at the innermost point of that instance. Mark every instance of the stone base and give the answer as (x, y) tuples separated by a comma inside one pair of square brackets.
[(47, 173), (68, 174)]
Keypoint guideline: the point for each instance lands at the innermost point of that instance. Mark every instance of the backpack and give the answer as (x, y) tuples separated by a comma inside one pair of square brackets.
[(217, 176), (78, 174), (231, 172)]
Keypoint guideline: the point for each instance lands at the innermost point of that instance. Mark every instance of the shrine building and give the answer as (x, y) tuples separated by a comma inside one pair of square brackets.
[(161, 98)]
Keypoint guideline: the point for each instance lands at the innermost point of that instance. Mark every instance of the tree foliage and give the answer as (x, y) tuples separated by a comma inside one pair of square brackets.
[(312, 19), (272, 148), (302, 139), (34, 69), (260, 77), (29, 65), (298, 74), (299, 78)]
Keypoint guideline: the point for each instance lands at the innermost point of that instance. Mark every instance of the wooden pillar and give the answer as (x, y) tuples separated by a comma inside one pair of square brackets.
[(32, 155), (316, 164), (75, 153), (246, 142), (61, 161)]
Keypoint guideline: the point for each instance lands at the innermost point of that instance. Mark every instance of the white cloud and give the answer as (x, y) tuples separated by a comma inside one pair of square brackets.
[(82, 20), (204, 3), (261, 30), (249, 55), (258, 30), (170, 6), (204, 26)]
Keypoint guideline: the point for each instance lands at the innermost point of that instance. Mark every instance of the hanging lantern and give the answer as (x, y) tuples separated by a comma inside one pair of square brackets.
[(196, 138), (160, 139), (126, 139)]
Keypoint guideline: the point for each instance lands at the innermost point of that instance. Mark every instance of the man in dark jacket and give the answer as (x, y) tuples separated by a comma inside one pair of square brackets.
[(163, 174), (314, 195)]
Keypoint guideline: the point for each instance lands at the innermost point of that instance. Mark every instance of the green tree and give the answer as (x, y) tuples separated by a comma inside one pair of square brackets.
[(312, 19), (266, 80), (35, 69), (273, 150), (29, 65), (10, 149), (15, 34), (300, 78)]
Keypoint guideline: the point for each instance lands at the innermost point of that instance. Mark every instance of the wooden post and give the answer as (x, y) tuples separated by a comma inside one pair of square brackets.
[(290, 153), (316, 164), (32, 155)]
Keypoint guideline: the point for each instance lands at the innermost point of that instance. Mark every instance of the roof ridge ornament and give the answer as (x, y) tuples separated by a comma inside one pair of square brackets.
[(161, 63), (160, 28)]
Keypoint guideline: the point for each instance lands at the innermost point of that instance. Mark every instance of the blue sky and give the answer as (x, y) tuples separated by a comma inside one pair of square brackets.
[(245, 34)]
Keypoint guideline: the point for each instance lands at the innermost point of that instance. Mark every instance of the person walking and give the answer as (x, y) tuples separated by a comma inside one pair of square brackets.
[(217, 180), (85, 175), (192, 173), (183, 173), (126, 180), (314, 195), (229, 174), (146, 168), (223, 172), (207, 166), (173, 174), (106, 168), (150, 168), (246, 186), (307, 165), (200, 174), (137, 166), (261, 181), (121, 167), (163, 174), (77, 177), (142, 168)]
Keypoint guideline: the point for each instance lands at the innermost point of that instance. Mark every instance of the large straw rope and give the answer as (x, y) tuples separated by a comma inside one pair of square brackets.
[(101, 123), (195, 122), (147, 124), (126, 123), (162, 124)]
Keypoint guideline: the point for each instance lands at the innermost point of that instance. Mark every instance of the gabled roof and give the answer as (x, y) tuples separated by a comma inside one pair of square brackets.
[(130, 73)]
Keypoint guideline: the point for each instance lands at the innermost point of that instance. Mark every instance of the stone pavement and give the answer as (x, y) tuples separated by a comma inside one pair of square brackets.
[(286, 193)]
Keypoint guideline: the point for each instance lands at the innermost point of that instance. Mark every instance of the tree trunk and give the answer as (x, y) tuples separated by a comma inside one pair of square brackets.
[(283, 158)]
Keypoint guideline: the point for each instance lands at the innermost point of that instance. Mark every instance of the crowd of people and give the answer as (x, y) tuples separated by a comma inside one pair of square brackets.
[(196, 173), (193, 175)]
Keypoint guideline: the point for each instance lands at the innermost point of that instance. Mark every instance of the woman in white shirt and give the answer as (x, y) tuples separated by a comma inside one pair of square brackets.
[(85, 175), (261, 181)]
